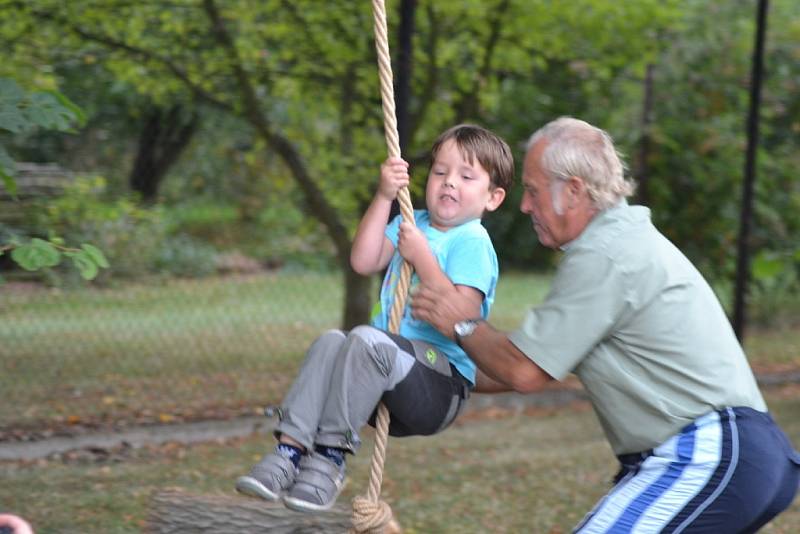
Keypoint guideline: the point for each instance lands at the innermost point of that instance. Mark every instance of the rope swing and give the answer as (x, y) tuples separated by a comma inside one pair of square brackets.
[(370, 514)]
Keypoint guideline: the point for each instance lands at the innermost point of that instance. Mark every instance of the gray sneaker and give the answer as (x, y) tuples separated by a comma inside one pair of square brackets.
[(269, 478), (317, 485)]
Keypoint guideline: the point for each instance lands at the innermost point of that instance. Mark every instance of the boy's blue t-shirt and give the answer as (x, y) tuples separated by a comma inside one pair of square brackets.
[(466, 255)]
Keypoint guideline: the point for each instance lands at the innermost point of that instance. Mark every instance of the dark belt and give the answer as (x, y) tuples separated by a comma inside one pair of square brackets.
[(634, 458), (629, 463)]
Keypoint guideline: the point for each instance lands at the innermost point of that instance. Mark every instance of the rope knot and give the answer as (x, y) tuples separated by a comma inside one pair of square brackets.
[(371, 517)]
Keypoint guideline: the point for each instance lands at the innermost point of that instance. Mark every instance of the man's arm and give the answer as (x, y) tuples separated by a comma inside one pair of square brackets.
[(499, 359), (484, 384)]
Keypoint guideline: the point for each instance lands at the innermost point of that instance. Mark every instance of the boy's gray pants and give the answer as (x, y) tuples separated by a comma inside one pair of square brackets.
[(346, 374)]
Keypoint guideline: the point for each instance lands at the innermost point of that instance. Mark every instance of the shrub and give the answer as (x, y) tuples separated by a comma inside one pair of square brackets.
[(185, 256), (130, 236)]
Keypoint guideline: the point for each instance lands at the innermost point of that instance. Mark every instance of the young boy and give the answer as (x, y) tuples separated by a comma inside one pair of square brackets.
[(422, 376)]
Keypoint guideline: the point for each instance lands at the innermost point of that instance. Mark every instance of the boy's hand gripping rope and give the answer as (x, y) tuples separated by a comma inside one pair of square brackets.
[(370, 514)]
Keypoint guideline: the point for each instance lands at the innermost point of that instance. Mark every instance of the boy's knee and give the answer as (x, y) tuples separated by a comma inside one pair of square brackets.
[(372, 344), (333, 333), (330, 339), (366, 333)]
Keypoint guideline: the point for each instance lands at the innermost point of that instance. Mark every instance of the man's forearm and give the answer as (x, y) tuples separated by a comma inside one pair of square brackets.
[(486, 384), (502, 362), (490, 349)]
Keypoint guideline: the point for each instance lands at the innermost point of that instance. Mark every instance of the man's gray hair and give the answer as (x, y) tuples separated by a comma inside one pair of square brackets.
[(576, 148)]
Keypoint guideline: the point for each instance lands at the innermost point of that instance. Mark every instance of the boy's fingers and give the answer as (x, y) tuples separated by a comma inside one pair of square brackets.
[(397, 162)]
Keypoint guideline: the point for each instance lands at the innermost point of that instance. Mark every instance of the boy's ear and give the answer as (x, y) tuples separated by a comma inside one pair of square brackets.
[(496, 197)]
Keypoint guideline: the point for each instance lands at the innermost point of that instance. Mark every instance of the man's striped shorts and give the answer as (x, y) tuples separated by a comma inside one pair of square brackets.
[(729, 471)]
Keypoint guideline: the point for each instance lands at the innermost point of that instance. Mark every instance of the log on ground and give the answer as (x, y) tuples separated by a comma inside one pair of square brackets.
[(176, 511)]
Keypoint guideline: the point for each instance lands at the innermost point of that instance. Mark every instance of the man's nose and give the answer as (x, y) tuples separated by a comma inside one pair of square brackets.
[(524, 204)]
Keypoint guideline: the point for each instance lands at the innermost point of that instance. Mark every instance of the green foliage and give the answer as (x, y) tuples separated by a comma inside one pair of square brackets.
[(139, 241), (23, 111), (186, 257), (279, 234), (38, 254), (508, 65), (130, 235), (776, 285), (698, 138), (313, 70)]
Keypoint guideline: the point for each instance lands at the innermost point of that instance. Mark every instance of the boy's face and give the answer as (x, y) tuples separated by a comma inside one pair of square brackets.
[(458, 191)]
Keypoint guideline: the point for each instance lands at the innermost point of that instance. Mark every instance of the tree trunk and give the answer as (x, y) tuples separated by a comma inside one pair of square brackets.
[(743, 259), (402, 82), (643, 170), (404, 69), (317, 204), (358, 298), (164, 136), (175, 511)]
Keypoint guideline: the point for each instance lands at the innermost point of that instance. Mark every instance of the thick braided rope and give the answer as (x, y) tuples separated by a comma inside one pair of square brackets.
[(370, 514)]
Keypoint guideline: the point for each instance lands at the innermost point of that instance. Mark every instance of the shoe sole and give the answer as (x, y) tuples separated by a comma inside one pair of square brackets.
[(253, 488), (299, 505)]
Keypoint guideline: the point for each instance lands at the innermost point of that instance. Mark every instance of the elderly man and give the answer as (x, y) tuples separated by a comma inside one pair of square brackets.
[(645, 334)]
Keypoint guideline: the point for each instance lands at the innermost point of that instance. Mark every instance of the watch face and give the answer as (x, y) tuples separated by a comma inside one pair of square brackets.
[(465, 328)]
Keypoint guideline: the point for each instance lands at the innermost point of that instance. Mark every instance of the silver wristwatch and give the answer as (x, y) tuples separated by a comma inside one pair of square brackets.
[(465, 328)]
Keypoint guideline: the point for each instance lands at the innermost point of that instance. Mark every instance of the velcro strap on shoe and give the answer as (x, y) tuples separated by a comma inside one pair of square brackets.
[(318, 471), (275, 465), (316, 462)]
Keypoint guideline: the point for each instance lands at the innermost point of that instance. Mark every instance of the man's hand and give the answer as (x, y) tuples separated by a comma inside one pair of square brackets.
[(442, 307)]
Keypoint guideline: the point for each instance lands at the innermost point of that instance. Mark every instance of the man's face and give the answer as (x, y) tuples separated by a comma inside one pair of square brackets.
[(551, 228)]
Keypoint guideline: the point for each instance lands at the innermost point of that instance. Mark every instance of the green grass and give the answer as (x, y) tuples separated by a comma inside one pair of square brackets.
[(171, 348), (175, 347), (513, 472), (89, 353), (183, 347)]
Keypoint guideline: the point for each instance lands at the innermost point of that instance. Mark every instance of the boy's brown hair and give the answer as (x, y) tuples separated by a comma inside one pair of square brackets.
[(476, 142)]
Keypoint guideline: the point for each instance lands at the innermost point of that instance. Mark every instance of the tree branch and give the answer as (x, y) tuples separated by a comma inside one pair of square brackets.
[(116, 44), (432, 74), (468, 105), (310, 39), (253, 113)]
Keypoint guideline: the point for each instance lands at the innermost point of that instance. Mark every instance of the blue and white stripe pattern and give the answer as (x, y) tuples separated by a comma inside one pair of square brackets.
[(670, 488)]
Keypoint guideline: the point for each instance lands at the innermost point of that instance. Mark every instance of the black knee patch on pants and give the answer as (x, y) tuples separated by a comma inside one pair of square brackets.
[(424, 402)]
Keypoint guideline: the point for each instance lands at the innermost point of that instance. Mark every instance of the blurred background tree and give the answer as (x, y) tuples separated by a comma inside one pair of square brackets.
[(256, 125)]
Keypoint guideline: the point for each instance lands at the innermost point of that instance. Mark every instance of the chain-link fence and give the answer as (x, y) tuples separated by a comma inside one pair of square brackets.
[(157, 351)]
